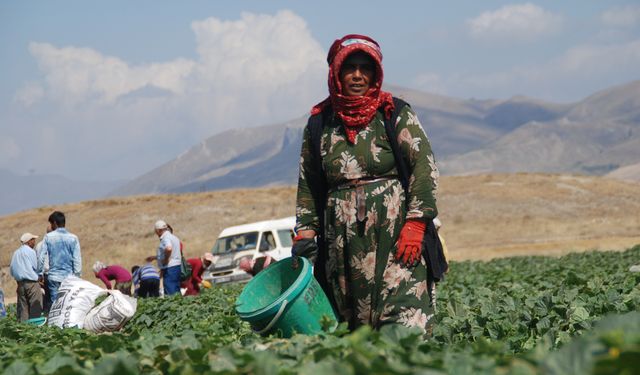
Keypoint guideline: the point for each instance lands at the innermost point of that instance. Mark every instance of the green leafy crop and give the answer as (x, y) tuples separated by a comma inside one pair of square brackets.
[(528, 315)]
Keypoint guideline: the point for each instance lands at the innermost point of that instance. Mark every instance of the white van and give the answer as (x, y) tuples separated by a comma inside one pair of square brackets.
[(272, 237)]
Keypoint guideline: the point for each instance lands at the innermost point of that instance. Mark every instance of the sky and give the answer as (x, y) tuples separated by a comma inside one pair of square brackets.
[(110, 90)]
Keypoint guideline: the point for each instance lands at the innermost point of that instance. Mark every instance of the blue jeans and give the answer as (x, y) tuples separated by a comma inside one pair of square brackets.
[(53, 287), (3, 311), (171, 280)]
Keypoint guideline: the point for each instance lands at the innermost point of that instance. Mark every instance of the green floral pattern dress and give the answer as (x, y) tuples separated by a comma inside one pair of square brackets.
[(368, 285)]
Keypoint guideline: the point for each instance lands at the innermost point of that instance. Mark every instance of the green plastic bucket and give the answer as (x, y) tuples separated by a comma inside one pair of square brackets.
[(284, 300), (40, 321)]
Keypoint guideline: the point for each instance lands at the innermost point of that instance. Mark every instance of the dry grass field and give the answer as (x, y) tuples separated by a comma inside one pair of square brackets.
[(483, 217)]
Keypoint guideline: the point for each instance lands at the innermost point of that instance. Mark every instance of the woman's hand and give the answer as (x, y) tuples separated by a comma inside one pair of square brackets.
[(410, 241), (304, 245), (307, 233)]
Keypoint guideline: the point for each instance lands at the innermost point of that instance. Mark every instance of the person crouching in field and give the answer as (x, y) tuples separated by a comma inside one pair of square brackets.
[(254, 266), (116, 273), (198, 266), (23, 270), (146, 280)]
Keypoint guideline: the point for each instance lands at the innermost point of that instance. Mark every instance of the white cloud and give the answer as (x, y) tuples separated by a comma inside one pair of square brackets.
[(255, 70), (584, 68), (79, 74), (9, 149), (29, 94), (257, 49), (515, 22), (623, 16)]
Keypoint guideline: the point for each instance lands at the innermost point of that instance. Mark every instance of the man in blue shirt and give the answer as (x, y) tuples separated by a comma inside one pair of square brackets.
[(23, 269), (62, 250), (169, 258)]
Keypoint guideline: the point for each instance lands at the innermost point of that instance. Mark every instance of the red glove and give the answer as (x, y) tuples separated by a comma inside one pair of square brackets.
[(410, 241)]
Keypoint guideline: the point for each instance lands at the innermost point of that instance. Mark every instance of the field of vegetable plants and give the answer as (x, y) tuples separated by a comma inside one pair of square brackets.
[(577, 314)]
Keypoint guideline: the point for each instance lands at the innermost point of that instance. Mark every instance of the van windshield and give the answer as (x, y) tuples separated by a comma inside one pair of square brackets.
[(286, 237), (238, 242)]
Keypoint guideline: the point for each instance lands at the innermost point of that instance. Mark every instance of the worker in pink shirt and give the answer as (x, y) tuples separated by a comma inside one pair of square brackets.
[(121, 276)]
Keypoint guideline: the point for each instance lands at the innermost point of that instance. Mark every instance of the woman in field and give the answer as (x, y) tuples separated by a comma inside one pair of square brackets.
[(371, 264)]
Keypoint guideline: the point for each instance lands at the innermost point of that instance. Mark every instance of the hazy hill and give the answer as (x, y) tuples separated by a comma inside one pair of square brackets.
[(629, 173), (23, 192), (484, 216), (599, 135), (230, 159), (269, 155), (595, 136)]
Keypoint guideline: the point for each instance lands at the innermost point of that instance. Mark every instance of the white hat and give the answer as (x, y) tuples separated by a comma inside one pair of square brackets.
[(98, 266), (208, 257), (160, 224), (27, 237)]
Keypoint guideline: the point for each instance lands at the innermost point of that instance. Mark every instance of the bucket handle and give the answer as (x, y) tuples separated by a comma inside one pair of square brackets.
[(274, 320)]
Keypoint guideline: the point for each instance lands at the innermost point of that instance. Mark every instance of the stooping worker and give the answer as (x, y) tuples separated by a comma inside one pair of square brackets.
[(146, 279), (116, 273), (254, 266), (198, 266), (370, 260)]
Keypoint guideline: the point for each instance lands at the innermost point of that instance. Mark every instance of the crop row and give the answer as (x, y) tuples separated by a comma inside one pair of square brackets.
[(518, 315)]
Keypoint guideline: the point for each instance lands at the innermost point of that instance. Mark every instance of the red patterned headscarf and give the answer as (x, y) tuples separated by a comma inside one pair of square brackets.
[(355, 112)]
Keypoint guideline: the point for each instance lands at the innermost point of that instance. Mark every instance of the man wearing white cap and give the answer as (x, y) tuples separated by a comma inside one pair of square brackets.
[(24, 269), (169, 258)]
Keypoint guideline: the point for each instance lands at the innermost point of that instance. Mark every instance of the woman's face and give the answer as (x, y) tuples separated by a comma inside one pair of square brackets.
[(357, 73)]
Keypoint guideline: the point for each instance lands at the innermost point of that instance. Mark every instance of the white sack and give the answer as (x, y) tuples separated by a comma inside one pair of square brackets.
[(75, 298), (111, 314)]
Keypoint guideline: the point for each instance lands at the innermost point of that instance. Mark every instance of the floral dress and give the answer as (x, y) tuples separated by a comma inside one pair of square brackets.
[(369, 286)]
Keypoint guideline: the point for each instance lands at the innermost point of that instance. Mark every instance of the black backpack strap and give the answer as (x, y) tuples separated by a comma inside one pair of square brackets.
[(390, 129), (319, 189), (319, 186), (432, 247)]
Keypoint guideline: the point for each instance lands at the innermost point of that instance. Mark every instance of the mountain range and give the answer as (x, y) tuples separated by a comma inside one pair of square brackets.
[(599, 135), (24, 192)]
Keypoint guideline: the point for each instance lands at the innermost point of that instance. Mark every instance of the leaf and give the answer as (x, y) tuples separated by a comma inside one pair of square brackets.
[(58, 364), (579, 314), (327, 367), (119, 364), (18, 367)]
